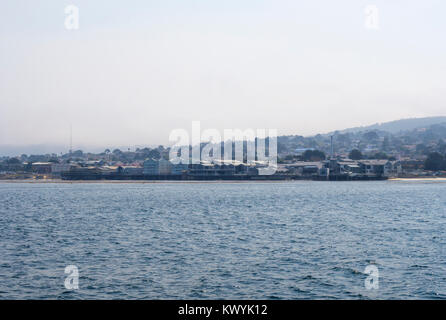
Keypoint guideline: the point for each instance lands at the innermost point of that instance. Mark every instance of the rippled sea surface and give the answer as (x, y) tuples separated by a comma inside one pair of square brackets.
[(287, 240)]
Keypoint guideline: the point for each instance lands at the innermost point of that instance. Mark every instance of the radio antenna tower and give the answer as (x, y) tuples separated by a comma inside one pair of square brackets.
[(71, 138)]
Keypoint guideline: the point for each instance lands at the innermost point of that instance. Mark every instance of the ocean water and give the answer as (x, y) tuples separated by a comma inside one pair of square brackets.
[(281, 240)]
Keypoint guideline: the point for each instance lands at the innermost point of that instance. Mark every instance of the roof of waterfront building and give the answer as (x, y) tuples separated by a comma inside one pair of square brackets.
[(348, 163), (305, 164), (374, 162)]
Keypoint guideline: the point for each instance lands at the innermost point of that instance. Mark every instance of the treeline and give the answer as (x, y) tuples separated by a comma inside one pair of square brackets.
[(356, 154), (435, 162)]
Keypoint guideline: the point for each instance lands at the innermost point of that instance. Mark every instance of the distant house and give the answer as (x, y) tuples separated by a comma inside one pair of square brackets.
[(41, 167)]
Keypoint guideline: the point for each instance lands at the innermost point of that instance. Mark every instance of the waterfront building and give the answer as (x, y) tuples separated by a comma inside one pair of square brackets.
[(349, 166), (41, 167), (58, 168), (304, 167), (151, 167), (361, 168), (179, 169), (157, 167), (393, 169), (373, 167), (132, 170), (83, 173), (164, 167)]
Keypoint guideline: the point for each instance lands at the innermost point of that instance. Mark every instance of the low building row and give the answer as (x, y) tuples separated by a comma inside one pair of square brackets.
[(344, 167), (165, 167), (384, 168)]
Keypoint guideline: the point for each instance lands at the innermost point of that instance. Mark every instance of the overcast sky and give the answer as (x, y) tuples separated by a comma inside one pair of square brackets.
[(135, 70)]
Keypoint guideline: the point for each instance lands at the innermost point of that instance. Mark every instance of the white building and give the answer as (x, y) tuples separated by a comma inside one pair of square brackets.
[(164, 167), (157, 167)]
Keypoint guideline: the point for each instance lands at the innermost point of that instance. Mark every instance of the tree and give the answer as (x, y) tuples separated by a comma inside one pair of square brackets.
[(434, 162), (355, 154), (380, 155), (117, 152), (313, 155), (154, 154), (13, 161)]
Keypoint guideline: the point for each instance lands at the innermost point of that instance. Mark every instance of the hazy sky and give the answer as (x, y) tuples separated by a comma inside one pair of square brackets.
[(135, 70)]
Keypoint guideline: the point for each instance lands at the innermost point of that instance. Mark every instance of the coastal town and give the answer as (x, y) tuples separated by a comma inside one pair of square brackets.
[(366, 154), (162, 169)]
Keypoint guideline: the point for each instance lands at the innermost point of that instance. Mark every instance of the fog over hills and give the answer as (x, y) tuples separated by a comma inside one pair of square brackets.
[(398, 125), (393, 127)]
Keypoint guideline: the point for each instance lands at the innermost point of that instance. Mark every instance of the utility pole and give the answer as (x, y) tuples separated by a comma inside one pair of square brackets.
[(71, 138)]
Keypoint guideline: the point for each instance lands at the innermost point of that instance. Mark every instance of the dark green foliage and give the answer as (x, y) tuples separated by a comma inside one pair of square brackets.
[(435, 162), (355, 154), (313, 155)]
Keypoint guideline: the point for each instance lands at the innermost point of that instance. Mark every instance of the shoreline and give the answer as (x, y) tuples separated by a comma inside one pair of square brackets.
[(414, 179), (137, 181), (418, 179)]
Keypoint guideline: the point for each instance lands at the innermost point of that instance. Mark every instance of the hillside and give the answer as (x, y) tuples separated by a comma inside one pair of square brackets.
[(398, 125), (408, 137)]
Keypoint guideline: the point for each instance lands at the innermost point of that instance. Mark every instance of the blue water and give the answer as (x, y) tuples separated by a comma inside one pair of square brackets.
[(286, 240)]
